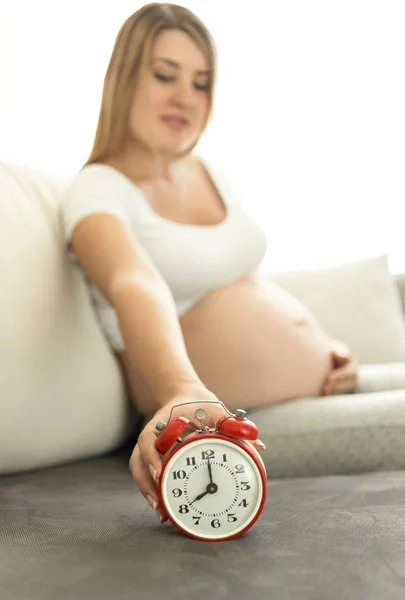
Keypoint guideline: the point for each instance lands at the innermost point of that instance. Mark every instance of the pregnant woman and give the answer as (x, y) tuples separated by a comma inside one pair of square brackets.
[(172, 260)]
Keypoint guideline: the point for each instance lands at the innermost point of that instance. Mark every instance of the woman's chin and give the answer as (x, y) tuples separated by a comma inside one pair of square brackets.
[(174, 150), (176, 147)]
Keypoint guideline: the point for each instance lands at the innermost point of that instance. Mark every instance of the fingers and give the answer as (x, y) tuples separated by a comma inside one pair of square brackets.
[(340, 353), (143, 477), (147, 447), (341, 382), (340, 360), (345, 387), (342, 387), (146, 483), (341, 378), (258, 444), (346, 372)]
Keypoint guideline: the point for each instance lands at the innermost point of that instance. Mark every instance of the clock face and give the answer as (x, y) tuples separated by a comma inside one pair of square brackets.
[(212, 488)]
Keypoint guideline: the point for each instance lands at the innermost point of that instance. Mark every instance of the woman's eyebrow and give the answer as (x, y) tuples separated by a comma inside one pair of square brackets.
[(175, 64)]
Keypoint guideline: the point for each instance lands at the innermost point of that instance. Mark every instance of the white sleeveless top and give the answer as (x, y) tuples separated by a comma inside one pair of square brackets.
[(193, 259)]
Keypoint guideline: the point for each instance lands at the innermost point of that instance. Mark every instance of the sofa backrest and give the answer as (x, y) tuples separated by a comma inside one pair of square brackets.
[(61, 392)]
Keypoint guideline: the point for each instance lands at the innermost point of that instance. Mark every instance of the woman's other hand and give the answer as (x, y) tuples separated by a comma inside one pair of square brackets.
[(146, 463), (343, 376)]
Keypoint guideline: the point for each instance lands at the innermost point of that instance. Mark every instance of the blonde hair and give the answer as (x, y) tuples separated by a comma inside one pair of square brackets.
[(135, 37)]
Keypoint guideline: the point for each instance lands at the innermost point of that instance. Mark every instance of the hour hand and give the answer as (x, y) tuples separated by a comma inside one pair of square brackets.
[(200, 496)]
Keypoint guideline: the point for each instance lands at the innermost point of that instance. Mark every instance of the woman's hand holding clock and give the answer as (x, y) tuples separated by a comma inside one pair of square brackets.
[(146, 462)]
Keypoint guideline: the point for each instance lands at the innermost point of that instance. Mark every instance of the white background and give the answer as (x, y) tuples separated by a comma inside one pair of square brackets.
[(309, 122)]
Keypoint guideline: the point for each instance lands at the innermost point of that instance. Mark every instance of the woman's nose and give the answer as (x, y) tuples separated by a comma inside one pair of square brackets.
[(185, 95)]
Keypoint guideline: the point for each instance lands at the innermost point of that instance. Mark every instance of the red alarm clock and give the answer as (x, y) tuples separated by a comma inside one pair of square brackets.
[(213, 481)]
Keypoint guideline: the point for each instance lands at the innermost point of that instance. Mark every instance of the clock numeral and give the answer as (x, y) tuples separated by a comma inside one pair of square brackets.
[(224, 458), (183, 509), (244, 503), (190, 461), (239, 469), (196, 520), (177, 492), (215, 523), (232, 518), (244, 485), (179, 474), (208, 454)]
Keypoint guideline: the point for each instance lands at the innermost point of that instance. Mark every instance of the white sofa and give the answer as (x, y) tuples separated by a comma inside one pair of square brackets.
[(62, 396)]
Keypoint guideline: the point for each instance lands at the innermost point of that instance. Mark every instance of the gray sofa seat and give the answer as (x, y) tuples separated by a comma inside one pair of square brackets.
[(84, 532)]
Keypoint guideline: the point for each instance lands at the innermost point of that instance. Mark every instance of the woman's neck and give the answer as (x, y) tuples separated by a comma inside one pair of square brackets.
[(140, 164)]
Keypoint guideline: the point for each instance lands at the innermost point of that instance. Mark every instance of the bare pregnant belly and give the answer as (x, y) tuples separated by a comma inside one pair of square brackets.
[(252, 343)]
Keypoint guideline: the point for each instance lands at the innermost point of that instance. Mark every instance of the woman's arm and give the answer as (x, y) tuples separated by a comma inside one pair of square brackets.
[(123, 272), (119, 267)]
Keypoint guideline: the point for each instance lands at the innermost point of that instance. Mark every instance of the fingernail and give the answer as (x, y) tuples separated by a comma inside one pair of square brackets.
[(152, 471), (260, 443), (151, 501), (161, 516)]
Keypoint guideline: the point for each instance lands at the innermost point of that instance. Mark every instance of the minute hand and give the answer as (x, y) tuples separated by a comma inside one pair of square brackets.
[(209, 470)]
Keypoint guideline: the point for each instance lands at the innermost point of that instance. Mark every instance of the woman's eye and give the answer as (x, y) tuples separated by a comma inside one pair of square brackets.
[(165, 78), (201, 87)]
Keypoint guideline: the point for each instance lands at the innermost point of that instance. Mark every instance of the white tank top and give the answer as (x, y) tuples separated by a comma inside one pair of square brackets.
[(193, 259)]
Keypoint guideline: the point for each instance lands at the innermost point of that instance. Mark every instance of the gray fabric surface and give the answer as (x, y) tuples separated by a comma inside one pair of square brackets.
[(83, 531)]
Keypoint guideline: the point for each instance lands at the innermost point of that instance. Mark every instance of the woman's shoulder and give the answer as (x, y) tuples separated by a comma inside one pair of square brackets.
[(97, 181), (97, 175), (96, 188)]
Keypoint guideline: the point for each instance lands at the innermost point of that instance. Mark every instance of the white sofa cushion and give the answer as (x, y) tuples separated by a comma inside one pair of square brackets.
[(358, 303), (61, 393)]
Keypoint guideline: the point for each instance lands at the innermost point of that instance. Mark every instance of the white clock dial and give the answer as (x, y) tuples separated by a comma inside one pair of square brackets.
[(212, 488)]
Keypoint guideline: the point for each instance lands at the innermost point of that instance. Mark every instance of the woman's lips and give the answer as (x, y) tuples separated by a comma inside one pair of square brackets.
[(177, 123)]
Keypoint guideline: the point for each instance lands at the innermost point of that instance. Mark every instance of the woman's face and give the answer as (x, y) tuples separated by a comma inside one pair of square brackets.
[(171, 101)]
